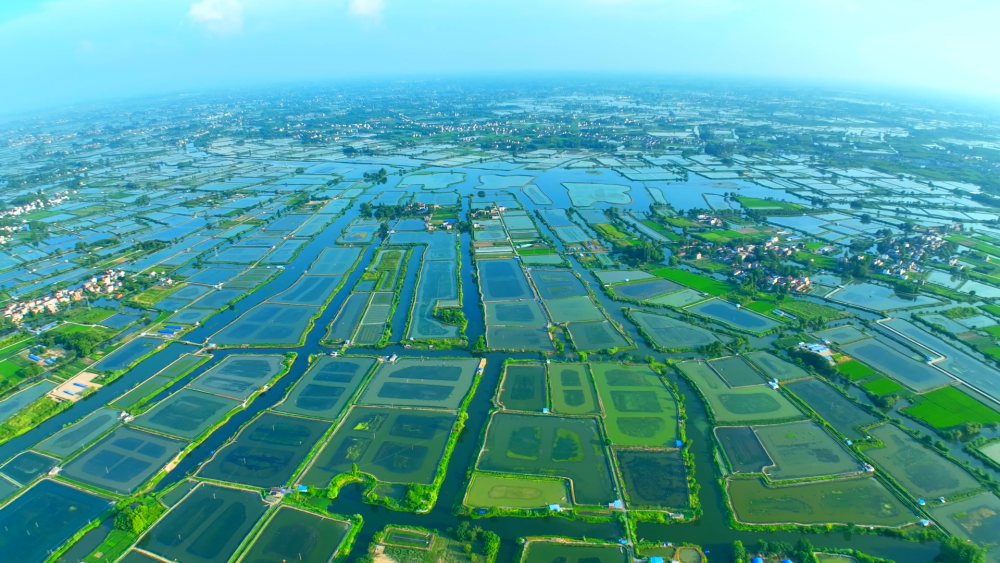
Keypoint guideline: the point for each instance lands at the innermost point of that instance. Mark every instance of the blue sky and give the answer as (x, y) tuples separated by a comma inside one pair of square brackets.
[(61, 52)]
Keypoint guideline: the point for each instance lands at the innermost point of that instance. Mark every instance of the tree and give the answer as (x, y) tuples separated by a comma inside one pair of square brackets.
[(739, 552), (955, 550), (133, 520), (142, 200)]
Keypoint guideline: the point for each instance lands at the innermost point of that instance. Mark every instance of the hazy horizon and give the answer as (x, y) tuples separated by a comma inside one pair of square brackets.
[(69, 52)]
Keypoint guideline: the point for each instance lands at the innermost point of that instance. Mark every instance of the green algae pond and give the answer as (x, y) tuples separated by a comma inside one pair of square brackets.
[(523, 388), (639, 410), (863, 502), (656, 479), (550, 446), (488, 490)]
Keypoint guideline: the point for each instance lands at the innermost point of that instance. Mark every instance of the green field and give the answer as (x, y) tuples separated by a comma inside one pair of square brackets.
[(491, 491), (949, 406), (854, 370), (757, 203), (661, 229), (882, 386), (639, 410), (808, 311), (695, 281), (817, 260)]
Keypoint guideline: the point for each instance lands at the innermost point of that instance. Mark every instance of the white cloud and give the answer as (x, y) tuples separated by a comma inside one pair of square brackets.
[(370, 10), (219, 16)]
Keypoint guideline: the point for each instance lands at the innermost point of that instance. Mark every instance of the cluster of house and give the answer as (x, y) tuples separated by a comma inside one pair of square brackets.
[(35, 205), (794, 284), (107, 283)]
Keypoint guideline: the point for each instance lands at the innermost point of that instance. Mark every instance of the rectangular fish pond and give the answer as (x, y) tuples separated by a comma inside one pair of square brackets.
[(656, 479), (669, 333), (541, 551), (550, 446), (775, 367), (863, 502), (878, 298), (801, 450), (745, 404), (835, 408), (208, 526), (518, 338), (736, 317), (326, 387), (903, 367), (599, 335), (736, 371), (523, 388), (573, 309), (646, 289), (526, 313), (503, 280), (309, 290), (238, 376), (336, 261), (572, 389), (924, 473), (557, 284), (298, 536), (127, 354), (639, 410), (742, 449), (267, 452), (976, 518), (43, 518), (435, 383), (123, 460), (79, 434), (267, 323), (186, 414), (14, 403), (393, 445), (26, 466)]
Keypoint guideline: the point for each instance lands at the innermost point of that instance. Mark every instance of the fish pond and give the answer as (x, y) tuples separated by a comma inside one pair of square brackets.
[(295, 535), (803, 449), (550, 446), (736, 317), (487, 490), (656, 479), (755, 403), (523, 388), (438, 383), (267, 452), (186, 414), (670, 333), (572, 389), (44, 517), (863, 502), (327, 386), (393, 445), (639, 410), (541, 551), (123, 460), (920, 470), (834, 407), (208, 526)]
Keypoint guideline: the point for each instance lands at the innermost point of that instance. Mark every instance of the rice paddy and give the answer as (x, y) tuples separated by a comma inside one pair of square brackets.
[(550, 446), (393, 445), (638, 408), (863, 502)]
